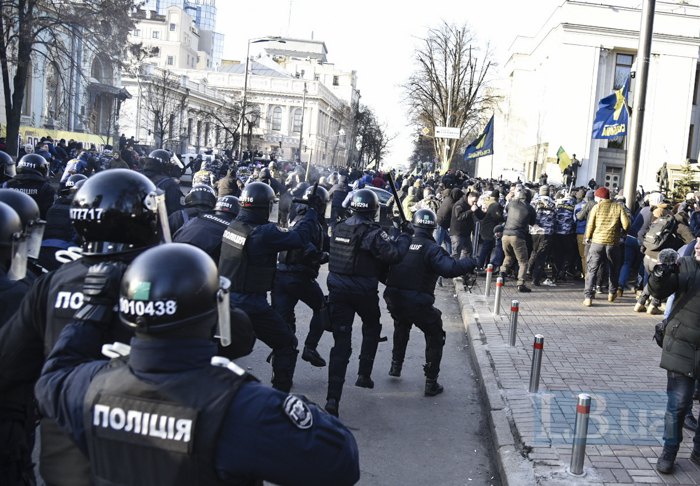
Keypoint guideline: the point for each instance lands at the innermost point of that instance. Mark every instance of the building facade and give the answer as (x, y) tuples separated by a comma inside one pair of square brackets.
[(555, 79)]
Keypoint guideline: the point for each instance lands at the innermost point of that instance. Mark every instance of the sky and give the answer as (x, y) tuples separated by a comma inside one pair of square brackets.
[(378, 38)]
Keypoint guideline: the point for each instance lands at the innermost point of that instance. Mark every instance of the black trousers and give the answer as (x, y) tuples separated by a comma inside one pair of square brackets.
[(344, 306), (290, 288), (426, 318)]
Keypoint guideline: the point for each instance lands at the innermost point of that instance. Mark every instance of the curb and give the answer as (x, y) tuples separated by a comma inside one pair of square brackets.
[(513, 467)]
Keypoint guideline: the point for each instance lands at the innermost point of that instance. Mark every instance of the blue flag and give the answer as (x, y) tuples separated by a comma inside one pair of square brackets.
[(483, 145), (612, 116)]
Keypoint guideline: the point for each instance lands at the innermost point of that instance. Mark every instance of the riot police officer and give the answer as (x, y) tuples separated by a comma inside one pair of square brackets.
[(249, 257), (28, 211), (200, 200), (59, 233), (157, 167), (171, 412), (16, 424), (410, 295), (296, 276), (338, 192), (118, 214), (359, 250), (33, 179), (7, 167), (207, 230)]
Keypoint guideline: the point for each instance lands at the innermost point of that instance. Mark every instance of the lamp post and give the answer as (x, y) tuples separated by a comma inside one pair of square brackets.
[(341, 133), (301, 125), (245, 84)]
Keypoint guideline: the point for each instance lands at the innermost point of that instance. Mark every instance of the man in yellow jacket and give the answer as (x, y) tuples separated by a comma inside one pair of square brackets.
[(606, 223)]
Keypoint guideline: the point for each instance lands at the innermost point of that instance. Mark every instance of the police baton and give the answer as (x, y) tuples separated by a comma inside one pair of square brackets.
[(392, 186)]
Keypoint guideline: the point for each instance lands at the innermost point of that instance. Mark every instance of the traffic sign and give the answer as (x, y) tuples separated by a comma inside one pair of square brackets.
[(447, 132)]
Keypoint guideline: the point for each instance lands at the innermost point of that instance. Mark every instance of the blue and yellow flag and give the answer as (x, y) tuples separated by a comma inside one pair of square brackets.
[(612, 116), (563, 159), (483, 145)]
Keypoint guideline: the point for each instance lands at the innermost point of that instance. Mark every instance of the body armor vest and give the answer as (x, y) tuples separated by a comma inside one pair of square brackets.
[(346, 255), (295, 258), (246, 276), (141, 433), (412, 273)]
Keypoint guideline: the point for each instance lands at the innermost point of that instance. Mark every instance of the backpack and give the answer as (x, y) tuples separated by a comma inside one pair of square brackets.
[(661, 233)]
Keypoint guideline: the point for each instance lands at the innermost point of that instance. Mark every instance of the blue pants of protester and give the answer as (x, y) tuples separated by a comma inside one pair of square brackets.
[(632, 260), (443, 236), (679, 389), (487, 247)]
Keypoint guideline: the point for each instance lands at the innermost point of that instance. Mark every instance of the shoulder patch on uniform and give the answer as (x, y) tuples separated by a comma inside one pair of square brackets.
[(298, 412), (384, 235)]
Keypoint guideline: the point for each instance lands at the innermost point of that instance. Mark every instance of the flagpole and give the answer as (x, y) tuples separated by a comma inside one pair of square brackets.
[(635, 140)]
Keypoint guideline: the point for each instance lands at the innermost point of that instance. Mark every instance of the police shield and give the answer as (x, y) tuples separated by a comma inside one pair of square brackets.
[(223, 303), (35, 233), (18, 267)]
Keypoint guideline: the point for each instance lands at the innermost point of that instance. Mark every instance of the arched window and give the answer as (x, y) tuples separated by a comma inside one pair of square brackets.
[(101, 70), (296, 121), (277, 119)]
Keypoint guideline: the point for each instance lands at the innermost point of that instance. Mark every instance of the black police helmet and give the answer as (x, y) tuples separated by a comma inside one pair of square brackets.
[(201, 195), (26, 208), (320, 192), (228, 204), (169, 287), (364, 201), (8, 164), (424, 218), (33, 164), (257, 195), (72, 184), (265, 173), (116, 211), (162, 155), (10, 225)]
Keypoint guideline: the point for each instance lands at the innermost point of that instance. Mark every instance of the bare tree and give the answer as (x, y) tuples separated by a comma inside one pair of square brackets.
[(450, 86), (227, 119), (33, 31), (164, 101), (372, 140)]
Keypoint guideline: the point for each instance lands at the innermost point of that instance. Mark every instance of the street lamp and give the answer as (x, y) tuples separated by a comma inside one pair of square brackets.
[(341, 133), (245, 84)]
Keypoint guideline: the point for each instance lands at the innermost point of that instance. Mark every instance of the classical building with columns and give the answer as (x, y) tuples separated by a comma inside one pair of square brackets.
[(584, 50)]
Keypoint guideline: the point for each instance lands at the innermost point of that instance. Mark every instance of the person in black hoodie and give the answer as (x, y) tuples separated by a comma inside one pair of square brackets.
[(462, 225), (520, 216), (444, 217)]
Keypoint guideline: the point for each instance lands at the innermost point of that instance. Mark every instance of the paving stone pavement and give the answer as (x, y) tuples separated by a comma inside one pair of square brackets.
[(606, 351)]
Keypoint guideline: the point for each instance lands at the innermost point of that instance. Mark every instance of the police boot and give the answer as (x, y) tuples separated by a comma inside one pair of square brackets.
[(311, 355), (395, 369), (283, 364), (364, 381), (432, 387), (332, 406)]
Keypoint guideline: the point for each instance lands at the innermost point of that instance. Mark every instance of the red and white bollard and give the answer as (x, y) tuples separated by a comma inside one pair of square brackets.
[(537, 350), (489, 276), (497, 297), (514, 309)]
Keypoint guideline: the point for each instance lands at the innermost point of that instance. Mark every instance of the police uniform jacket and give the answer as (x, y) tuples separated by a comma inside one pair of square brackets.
[(258, 434), (173, 194), (413, 278), (205, 232), (306, 262), (373, 250), (36, 186)]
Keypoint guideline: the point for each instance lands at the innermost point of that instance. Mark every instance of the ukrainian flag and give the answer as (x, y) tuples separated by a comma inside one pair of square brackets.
[(563, 159)]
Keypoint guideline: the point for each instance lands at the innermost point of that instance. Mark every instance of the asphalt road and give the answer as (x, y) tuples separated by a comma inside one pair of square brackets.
[(404, 438)]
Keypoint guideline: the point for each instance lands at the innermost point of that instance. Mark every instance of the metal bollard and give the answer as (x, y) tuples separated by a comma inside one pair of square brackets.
[(497, 297), (578, 451), (514, 309), (537, 348), (489, 276)]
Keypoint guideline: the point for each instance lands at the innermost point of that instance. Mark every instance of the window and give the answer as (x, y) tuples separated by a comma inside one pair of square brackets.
[(296, 121), (155, 34), (689, 152), (317, 77), (277, 119), (171, 60), (623, 67), (335, 81), (136, 33), (172, 27)]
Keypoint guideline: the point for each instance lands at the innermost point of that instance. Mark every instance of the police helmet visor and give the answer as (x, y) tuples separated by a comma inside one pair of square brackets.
[(18, 267), (35, 233), (223, 303), (159, 200), (10, 170)]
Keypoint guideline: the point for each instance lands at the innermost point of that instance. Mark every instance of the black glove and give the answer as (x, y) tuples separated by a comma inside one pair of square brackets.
[(101, 291), (407, 228)]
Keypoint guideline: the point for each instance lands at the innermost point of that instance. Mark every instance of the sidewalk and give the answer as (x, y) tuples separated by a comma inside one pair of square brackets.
[(606, 351)]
